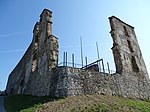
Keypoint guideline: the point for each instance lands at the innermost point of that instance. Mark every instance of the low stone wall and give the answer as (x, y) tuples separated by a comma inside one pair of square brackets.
[(67, 81)]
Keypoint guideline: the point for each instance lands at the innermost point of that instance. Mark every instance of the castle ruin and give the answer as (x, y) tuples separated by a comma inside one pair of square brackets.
[(38, 72)]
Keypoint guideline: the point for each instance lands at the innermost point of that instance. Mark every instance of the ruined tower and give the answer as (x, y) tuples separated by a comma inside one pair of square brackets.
[(126, 50)]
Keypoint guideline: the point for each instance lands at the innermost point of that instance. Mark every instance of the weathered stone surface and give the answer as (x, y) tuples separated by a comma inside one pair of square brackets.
[(38, 73), (67, 81), (32, 75), (126, 50)]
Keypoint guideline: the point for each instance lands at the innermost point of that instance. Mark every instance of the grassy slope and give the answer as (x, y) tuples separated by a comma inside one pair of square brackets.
[(85, 103), (24, 103)]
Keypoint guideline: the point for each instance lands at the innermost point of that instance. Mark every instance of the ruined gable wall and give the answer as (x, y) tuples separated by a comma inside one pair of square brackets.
[(32, 74), (126, 50)]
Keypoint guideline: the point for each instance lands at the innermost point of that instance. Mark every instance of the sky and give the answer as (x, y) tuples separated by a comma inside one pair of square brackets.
[(72, 20)]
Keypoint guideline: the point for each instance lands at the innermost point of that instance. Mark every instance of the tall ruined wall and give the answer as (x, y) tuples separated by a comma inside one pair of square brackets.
[(33, 71), (126, 50)]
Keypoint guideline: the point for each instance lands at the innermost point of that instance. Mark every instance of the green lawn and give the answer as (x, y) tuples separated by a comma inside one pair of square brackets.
[(24, 103), (84, 103)]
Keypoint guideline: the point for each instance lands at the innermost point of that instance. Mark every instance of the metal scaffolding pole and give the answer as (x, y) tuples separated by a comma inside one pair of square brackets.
[(103, 66), (108, 67), (66, 58), (85, 61), (99, 65), (81, 51), (72, 60)]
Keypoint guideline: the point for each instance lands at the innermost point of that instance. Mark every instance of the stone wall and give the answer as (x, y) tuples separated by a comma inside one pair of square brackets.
[(67, 81)]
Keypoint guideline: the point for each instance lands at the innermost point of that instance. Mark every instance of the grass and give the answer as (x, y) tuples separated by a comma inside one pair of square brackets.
[(84, 103), (119, 105), (24, 103)]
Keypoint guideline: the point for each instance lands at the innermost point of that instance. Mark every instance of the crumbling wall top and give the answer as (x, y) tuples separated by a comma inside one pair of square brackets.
[(36, 27), (46, 11), (110, 18)]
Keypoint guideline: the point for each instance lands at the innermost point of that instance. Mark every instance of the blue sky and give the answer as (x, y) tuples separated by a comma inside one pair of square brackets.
[(71, 20)]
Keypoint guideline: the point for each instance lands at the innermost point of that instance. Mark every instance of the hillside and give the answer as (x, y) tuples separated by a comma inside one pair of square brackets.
[(84, 103)]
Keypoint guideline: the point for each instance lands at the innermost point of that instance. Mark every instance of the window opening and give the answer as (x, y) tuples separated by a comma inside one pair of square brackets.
[(130, 46), (126, 31), (134, 65)]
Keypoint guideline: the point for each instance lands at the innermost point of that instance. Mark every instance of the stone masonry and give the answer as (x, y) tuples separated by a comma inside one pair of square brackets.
[(33, 71), (126, 50), (38, 72)]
